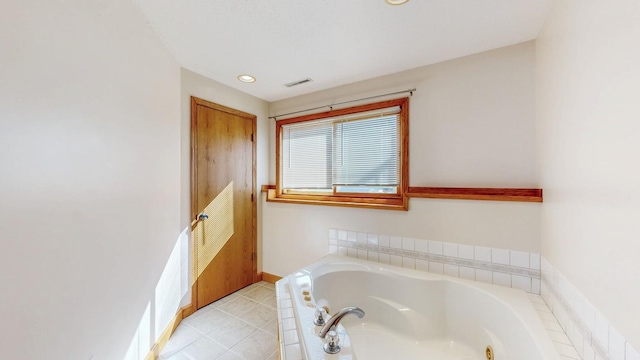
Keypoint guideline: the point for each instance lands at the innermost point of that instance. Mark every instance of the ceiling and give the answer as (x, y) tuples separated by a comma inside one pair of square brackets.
[(332, 42)]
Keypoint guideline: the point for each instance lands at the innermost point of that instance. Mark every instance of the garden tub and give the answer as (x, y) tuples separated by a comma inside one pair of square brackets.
[(414, 315)]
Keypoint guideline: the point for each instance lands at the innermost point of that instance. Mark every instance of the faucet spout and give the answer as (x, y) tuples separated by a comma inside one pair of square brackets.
[(335, 319)]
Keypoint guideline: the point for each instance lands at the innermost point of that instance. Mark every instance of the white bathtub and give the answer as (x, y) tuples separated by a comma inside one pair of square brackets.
[(414, 315)]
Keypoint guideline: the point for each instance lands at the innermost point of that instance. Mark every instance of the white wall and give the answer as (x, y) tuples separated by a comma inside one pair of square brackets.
[(472, 123), (588, 110), (89, 176), (199, 86)]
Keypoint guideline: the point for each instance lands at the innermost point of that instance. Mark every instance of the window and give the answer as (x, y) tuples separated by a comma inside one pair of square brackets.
[(352, 157)]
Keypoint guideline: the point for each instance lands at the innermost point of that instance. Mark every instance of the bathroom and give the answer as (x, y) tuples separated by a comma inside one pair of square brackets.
[(558, 113)]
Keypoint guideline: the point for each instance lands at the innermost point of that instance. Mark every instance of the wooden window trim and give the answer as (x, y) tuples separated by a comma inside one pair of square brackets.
[(386, 201)]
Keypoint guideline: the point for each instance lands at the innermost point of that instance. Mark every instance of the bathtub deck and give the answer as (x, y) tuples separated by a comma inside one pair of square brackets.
[(558, 336), (290, 347)]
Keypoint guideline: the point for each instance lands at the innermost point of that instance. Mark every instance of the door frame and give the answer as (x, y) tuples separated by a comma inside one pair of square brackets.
[(195, 102)]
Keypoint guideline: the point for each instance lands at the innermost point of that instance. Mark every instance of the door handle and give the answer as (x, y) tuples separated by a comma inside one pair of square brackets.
[(201, 217)]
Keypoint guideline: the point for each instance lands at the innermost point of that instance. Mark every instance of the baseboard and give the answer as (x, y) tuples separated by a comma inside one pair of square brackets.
[(270, 278), (168, 331), (188, 310)]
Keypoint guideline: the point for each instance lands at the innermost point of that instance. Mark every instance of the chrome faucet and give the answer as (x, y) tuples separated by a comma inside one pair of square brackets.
[(333, 321)]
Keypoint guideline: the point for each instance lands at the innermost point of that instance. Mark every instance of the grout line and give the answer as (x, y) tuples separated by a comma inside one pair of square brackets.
[(234, 353), (248, 323), (229, 352), (273, 353), (239, 341), (260, 302), (189, 344), (217, 342), (266, 332), (194, 328), (196, 340), (238, 318)]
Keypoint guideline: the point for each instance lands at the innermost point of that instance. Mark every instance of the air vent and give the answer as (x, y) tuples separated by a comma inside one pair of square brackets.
[(299, 82)]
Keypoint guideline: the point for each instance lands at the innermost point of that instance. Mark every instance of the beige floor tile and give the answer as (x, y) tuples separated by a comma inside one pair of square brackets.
[(267, 285), (238, 306), (271, 327), (273, 356), (230, 356), (181, 338), (194, 317), (246, 289), (230, 330), (209, 320), (260, 294), (224, 300), (260, 315), (258, 346), (203, 349), (271, 302)]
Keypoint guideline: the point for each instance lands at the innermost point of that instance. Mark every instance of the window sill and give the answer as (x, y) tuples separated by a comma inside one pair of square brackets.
[(369, 203)]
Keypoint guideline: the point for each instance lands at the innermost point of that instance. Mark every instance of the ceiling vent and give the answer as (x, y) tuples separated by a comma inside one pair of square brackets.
[(299, 82)]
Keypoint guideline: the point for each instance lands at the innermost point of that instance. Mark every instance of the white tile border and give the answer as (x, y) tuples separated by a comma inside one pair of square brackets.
[(289, 345), (516, 269), (591, 334)]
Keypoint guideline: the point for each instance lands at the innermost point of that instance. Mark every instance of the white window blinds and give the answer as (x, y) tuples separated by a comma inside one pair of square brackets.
[(355, 153), (306, 156)]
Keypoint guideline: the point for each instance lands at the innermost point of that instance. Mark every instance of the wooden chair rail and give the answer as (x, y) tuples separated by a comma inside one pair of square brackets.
[(495, 194)]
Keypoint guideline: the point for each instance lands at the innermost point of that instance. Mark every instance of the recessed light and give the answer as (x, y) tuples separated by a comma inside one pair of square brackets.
[(246, 78), (396, 2)]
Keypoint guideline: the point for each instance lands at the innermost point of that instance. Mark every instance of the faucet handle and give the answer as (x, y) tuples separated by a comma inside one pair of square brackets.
[(319, 315), (332, 347)]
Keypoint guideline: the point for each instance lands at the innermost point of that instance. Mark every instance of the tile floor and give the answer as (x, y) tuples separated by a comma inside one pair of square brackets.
[(241, 326)]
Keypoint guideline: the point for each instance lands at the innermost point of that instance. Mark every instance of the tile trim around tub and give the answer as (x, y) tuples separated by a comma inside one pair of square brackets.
[(515, 269), (593, 337), (288, 342)]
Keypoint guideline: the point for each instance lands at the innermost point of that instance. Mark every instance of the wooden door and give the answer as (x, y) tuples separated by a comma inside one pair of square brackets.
[(223, 188)]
